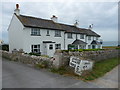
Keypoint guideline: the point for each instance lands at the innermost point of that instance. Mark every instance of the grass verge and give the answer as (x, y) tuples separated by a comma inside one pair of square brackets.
[(100, 68)]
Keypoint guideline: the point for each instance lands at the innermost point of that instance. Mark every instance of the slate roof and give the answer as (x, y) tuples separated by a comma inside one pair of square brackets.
[(95, 42), (29, 21), (77, 41)]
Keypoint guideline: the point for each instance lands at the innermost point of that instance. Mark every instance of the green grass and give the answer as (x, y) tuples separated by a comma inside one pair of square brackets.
[(101, 68), (80, 50), (110, 47)]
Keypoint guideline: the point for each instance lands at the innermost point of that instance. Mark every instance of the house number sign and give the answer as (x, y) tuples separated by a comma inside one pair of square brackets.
[(80, 65)]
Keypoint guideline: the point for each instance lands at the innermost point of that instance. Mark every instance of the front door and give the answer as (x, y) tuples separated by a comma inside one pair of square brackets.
[(45, 48), (93, 46)]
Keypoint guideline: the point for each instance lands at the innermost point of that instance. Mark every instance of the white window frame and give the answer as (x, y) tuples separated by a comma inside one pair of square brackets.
[(35, 32), (69, 35), (48, 33), (57, 33), (57, 46), (51, 47), (89, 37), (81, 36), (96, 38), (35, 47), (89, 46)]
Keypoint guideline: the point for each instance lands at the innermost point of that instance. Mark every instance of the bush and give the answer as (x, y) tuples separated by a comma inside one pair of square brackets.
[(80, 50), (36, 54), (5, 47)]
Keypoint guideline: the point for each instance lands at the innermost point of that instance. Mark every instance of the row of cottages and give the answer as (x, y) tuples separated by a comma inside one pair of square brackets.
[(45, 36)]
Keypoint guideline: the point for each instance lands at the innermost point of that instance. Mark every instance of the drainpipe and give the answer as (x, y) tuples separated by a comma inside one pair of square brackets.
[(64, 40)]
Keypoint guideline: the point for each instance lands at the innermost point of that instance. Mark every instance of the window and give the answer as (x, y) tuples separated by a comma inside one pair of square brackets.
[(35, 32), (82, 36), (76, 36), (89, 37), (57, 46), (57, 33), (96, 38), (69, 35), (48, 33), (51, 47), (36, 48), (89, 47)]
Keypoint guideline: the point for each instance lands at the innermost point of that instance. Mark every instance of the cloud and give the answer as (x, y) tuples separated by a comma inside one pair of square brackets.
[(103, 15)]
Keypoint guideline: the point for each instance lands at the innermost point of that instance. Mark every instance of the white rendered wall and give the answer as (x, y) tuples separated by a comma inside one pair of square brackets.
[(71, 40), (32, 40), (20, 38), (15, 34)]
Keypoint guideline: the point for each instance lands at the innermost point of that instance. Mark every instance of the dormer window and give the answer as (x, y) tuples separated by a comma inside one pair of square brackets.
[(35, 31)]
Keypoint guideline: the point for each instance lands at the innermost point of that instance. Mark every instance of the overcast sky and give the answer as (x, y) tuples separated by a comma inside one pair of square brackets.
[(104, 15)]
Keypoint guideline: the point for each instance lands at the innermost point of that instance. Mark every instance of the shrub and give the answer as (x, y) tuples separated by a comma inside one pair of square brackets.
[(44, 56), (5, 47), (80, 50), (36, 54)]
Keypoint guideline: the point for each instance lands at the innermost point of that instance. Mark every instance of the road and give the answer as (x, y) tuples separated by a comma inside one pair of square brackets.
[(17, 75), (0, 72)]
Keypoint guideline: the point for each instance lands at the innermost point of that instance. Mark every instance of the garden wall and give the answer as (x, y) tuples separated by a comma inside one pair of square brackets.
[(62, 58), (19, 56)]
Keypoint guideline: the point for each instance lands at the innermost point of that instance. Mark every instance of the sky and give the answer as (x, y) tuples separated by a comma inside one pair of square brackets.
[(103, 15)]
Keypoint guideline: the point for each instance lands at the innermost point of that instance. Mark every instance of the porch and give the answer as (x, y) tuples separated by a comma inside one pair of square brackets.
[(77, 44)]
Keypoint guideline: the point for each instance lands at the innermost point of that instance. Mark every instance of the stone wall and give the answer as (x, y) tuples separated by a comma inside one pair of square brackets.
[(26, 59), (62, 58)]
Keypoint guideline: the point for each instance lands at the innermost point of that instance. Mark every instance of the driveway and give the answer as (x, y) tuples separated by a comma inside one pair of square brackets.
[(17, 75)]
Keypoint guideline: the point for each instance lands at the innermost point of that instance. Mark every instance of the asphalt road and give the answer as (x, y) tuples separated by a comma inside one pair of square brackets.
[(0, 73), (17, 75)]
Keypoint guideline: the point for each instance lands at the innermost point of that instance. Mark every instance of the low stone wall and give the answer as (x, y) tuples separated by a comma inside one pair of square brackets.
[(62, 58), (26, 59)]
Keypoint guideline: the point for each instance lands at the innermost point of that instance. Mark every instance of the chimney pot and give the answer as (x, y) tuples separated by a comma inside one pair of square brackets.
[(54, 18), (17, 6), (76, 23), (17, 10)]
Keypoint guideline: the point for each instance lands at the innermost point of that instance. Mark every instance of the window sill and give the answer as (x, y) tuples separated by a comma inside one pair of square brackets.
[(35, 35), (57, 36), (70, 38)]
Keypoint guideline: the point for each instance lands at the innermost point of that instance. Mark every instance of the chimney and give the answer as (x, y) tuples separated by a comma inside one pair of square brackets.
[(90, 26), (76, 23), (54, 18), (17, 10)]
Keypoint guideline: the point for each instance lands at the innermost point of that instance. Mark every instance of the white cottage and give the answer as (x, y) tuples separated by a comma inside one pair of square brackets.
[(45, 36)]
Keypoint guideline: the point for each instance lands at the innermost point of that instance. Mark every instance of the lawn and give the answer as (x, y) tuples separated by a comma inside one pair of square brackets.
[(101, 68), (110, 47)]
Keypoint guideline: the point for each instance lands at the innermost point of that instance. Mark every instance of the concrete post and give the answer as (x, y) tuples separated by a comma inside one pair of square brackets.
[(57, 59)]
